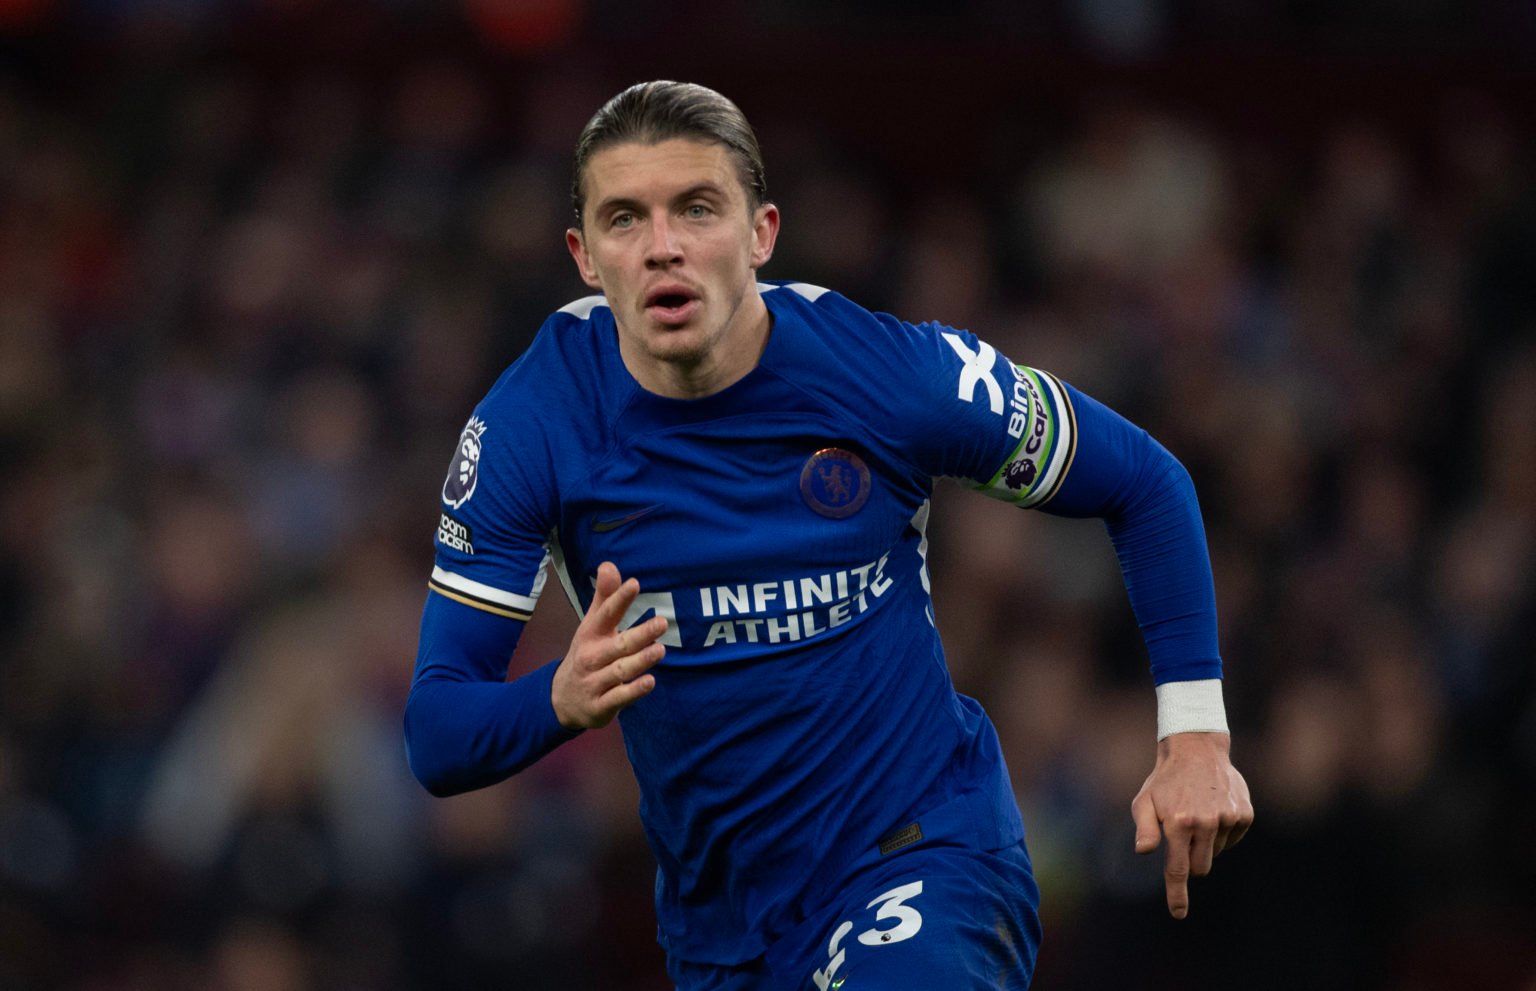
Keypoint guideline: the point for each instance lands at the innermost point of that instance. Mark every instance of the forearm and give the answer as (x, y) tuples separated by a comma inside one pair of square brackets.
[(465, 735), (1148, 503), (1160, 542), (465, 726)]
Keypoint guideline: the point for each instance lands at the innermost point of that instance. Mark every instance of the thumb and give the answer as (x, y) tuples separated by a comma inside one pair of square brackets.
[(1148, 835)]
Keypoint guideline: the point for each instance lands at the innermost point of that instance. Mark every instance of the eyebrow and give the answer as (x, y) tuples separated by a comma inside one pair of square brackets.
[(699, 189)]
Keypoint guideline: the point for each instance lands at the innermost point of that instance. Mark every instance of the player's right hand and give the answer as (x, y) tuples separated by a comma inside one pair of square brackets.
[(606, 668)]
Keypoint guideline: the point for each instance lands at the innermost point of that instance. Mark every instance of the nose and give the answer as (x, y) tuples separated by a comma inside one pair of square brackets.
[(663, 250)]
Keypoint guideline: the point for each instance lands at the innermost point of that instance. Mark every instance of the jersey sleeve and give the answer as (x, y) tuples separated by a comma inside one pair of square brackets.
[(465, 725), (1022, 435), (1147, 501), (495, 517), (969, 413)]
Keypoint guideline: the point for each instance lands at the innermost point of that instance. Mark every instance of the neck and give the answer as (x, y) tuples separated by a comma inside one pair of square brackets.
[(721, 363)]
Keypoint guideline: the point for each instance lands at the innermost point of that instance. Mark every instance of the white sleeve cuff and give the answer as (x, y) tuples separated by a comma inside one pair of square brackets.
[(1190, 707)]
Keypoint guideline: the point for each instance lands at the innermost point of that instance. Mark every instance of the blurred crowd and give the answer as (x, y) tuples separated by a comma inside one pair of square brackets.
[(247, 301)]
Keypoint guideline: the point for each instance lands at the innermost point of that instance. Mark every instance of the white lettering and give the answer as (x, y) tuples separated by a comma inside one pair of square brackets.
[(764, 593), (823, 978), (455, 542), (816, 590), (811, 629), (978, 369), (892, 906), (786, 629), (451, 533), (1023, 397), (781, 611), (730, 599)]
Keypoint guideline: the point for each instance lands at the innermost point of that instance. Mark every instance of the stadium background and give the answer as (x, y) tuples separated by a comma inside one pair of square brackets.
[(258, 260)]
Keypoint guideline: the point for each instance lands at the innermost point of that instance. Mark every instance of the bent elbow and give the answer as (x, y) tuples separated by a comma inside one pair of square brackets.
[(425, 758), (434, 779)]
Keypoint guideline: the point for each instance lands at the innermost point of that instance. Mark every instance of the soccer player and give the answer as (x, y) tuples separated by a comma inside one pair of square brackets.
[(731, 479)]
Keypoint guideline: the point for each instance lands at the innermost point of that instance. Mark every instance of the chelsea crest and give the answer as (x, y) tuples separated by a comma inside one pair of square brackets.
[(835, 482)]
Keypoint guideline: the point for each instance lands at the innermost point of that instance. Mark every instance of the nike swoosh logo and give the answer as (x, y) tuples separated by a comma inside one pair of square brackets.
[(603, 526)]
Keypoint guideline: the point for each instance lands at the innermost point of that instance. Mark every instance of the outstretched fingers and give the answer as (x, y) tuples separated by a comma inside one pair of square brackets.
[(610, 600), (630, 674), (607, 668)]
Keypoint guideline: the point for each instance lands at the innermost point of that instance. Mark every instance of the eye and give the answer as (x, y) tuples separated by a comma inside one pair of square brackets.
[(622, 220), (696, 211)]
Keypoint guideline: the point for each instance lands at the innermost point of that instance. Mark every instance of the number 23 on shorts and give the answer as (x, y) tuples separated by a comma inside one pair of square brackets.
[(893, 905)]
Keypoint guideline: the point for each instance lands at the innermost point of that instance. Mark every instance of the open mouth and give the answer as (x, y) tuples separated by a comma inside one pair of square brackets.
[(669, 304)]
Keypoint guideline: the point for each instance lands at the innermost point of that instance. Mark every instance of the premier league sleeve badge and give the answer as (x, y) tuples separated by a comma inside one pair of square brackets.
[(464, 472)]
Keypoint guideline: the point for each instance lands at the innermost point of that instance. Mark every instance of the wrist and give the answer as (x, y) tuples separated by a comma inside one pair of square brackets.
[(556, 679), (1190, 707)]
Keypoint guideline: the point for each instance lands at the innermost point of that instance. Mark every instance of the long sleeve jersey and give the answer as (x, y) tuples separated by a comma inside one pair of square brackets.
[(803, 723)]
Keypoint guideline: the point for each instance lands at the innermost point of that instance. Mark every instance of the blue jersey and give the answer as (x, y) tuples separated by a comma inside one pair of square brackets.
[(803, 724)]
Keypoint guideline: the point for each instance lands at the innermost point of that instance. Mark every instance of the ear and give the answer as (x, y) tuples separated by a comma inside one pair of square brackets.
[(577, 246), (765, 233)]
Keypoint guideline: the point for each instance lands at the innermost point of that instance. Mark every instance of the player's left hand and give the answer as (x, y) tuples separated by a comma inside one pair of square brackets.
[(1199, 801)]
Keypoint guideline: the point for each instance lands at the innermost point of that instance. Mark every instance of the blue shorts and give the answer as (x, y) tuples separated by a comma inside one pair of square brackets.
[(937, 918)]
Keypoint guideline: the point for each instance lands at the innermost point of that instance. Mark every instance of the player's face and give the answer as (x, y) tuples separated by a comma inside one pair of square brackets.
[(670, 237)]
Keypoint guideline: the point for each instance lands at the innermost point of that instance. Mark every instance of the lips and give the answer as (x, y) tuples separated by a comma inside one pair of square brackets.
[(671, 302)]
